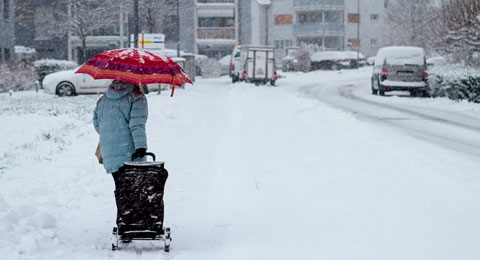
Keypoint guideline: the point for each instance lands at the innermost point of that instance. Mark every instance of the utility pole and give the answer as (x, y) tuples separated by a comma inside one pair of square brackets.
[(121, 26), (135, 20), (358, 35), (178, 27), (69, 34)]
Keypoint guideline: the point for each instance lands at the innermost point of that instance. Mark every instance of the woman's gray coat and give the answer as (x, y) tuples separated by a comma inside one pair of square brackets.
[(120, 117)]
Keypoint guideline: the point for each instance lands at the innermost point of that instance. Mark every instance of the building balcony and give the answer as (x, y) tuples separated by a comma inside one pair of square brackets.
[(215, 4), (216, 10), (319, 29), (215, 1), (216, 33), (319, 4)]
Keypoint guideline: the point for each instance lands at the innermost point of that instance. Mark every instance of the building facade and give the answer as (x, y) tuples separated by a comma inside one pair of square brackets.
[(7, 29), (325, 25), (215, 27), (365, 25)]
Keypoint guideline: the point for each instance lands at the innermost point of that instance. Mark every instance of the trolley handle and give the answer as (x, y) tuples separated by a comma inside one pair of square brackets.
[(149, 153)]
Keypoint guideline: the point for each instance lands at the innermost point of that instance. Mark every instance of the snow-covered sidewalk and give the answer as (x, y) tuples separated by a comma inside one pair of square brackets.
[(255, 173)]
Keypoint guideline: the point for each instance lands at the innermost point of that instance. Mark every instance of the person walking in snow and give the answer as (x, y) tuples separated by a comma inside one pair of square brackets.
[(119, 118)]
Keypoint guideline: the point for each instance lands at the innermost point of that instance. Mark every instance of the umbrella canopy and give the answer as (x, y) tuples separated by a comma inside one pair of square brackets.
[(136, 66)]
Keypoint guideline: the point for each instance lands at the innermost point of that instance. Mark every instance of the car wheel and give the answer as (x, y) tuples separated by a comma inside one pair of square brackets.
[(374, 91), (65, 89)]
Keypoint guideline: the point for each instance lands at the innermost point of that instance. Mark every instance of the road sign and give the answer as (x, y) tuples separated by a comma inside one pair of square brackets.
[(151, 41)]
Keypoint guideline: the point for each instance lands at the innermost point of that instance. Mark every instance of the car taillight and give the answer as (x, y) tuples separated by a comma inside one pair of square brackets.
[(244, 74), (233, 65), (384, 74), (275, 77), (425, 75)]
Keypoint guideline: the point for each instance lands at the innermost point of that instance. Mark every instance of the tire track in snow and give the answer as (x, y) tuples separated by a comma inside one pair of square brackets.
[(341, 97), (346, 92)]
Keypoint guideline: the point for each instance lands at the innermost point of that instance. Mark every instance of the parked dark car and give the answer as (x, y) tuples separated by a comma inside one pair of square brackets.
[(336, 60), (400, 69)]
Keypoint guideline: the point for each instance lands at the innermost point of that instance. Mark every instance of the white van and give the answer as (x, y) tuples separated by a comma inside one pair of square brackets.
[(400, 68), (253, 64)]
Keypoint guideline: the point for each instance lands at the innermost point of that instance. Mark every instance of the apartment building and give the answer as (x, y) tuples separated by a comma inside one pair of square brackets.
[(216, 27), (365, 25), (7, 29), (319, 23)]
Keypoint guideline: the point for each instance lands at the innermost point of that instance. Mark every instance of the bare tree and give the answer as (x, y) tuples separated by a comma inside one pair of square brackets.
[(409, 23), (462, 18), (160, 16), (82, 18)]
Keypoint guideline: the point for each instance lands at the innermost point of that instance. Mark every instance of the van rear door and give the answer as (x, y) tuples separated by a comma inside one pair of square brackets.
[(260, 64)]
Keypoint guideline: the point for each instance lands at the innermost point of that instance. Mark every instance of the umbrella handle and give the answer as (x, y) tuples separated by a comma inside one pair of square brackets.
[(173, 86)]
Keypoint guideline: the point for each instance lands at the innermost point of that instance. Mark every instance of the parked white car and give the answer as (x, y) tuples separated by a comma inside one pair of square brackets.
[(225, 64), (67, 83)]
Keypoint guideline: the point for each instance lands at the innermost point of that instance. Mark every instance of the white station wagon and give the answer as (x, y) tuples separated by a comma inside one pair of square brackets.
[(67, 83)]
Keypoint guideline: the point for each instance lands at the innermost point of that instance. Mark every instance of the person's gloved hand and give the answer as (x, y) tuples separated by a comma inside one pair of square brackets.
[(139, 153)]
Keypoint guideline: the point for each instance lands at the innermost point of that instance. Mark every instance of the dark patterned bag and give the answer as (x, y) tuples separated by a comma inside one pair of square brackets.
[(139, 195)]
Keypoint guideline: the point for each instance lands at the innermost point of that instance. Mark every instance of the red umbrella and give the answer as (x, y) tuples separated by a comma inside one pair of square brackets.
[(136, 66)]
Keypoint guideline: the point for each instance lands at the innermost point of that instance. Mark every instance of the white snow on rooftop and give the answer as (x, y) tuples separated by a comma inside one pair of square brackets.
[(399, 55), (335, 55), (23, 49)]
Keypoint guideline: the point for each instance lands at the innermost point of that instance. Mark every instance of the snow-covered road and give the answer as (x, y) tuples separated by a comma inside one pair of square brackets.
[(255, 173), (437, 124)]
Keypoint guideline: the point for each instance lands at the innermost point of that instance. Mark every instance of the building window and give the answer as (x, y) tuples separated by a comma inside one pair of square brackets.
[(6, 11), (353, 18), (282, 44), (309, 17), (333, 42), (216, 22), (374, 17), (353, 42), (333, 16), (283, 19), (4, 54), (373, 42), (288, 43)]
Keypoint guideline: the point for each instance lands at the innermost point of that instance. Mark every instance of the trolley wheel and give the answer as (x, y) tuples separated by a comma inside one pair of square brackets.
[(115, 239), (167, 240)]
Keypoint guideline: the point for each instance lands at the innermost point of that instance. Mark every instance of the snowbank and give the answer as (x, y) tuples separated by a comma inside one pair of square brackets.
[(455, 82)]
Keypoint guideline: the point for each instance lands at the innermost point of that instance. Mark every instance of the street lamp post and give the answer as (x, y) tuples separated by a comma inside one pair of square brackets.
[(178, 27), (135, 20), (358, 34)]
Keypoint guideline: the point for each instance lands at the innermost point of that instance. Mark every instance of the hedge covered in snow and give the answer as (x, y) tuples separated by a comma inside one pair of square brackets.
[(17, 75), (455, 82)]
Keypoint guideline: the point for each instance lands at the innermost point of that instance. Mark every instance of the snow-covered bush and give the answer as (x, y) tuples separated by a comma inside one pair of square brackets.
[(455, 82), (303, 60), (210, 68), (16, 75)]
